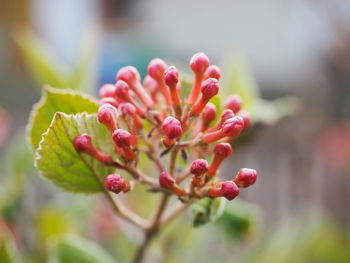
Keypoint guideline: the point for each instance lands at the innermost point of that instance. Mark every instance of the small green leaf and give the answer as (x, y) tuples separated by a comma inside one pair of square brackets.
[(74, 249), (207, 210), (237, 79), (52, 101), (58, 161), (239, 220)]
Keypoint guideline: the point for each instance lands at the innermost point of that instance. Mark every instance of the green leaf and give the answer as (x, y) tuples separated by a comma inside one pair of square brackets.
[(8, 250), (52, 101), (74, 249), (40, 60), (207, 210), (239, 220), (237, 79), (58, 161)]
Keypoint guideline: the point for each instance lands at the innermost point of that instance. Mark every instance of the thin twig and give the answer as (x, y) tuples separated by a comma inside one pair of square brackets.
[(174, 211), (152, 231)]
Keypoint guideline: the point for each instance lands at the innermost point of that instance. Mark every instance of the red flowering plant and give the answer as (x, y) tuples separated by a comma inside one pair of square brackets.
[(99, 146)]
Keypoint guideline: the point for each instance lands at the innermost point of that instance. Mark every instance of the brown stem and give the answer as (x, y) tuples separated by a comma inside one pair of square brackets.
[(152, 231)]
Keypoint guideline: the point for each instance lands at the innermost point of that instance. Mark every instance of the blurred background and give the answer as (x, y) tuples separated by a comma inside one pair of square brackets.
[(293, 58)]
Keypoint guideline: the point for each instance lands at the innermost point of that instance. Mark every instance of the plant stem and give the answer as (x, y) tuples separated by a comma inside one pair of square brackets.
[(152, 231)]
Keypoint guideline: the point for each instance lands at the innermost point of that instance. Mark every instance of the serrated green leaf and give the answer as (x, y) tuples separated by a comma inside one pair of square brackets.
[(58, 161), (207, 210), (52, 101), (74, 249)]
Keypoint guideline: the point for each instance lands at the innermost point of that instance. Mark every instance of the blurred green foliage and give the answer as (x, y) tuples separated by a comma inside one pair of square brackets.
[(46, 68)]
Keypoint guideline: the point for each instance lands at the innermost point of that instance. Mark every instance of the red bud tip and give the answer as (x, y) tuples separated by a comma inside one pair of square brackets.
[(199, 63), (156, 69), (213, 72), (107, 115), (127, 108), (229, 190), (122, 90), (246, 118), (107, 90), (233, 126), (171, 77), (199, 167), (222, 150), (128, 74), (116, 184), (246, 177), (172, 128), (122, 138), (209, 113), (234, 103), (210, 88), (165, 180), (82, 143)]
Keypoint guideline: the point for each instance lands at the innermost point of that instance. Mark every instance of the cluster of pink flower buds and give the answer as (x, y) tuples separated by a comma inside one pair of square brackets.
[(151, 117)]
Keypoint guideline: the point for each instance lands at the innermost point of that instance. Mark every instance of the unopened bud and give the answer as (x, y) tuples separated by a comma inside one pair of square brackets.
[(246, 177), (221, 152), (233, 127), (234, 103), (210, 88), (107, 90), (172, 128), (156, 68), (199, 167), (199, 63), (108, 115), (82, 143), (213, 72), (165, 180), (122, 138), (246, 118), (116, 184)]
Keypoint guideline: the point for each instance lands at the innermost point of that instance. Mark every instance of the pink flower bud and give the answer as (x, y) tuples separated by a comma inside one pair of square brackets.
[(152, 85), (122, 138), (199, 167), (246, 118), (131, 76), (225, 115), (128, 74), (228, 189), (246, 177), (82, 143), (209, 89), (156, 68), (110, 100), (116, 184), (221, 152), (166, 181), (127, 108), (108, 115), (107, 90), (208, 115), (213, 72), (172, 128), (199, 64), (122, 91), (232, 127), (171, 78), (234, 103)]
